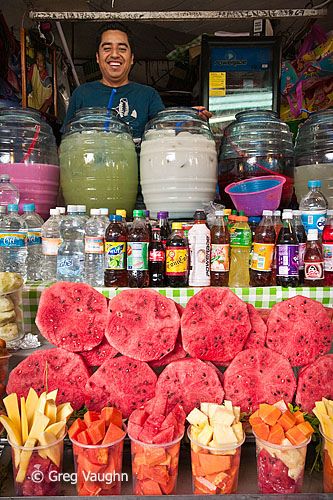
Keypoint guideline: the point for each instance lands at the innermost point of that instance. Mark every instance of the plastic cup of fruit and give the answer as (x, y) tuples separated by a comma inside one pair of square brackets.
[(280, 468), (37, 470), (155, 467), (214, 470), (328, 462), (4, 364), (98, 467)]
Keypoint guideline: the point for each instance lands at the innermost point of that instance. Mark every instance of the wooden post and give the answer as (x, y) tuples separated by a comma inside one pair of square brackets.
[(23, 68), (54, 82)]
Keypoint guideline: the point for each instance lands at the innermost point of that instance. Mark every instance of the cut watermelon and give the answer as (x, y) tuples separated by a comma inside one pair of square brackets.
[(258, 331), (315, 381), (49, 370), (259, 376), (142, 324), (299, 329), (189, 382), (215, 325), (72, 316), (121, 382), (99, 354), (177, 353)]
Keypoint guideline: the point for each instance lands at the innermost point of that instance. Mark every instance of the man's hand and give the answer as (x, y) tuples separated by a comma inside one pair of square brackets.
[(203, 112)]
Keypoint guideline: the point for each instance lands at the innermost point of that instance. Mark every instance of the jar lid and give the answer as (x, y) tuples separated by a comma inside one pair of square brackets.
[(29, 207)]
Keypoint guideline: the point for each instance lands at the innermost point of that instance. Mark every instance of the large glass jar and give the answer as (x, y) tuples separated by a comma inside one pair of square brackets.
[(98, 162), (256, 143), (28, 154), (178, 163), (314, 154)]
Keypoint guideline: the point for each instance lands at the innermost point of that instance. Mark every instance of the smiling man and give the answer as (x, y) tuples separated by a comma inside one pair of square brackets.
[(134, 103)]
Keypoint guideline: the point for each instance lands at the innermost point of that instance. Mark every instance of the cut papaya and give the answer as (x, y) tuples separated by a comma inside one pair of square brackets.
[(305, 428), (96, 431), (113, 434), (169, 487), (269, 413), (90, 416), (254, 415), (110, 414), (214, 463), (83, 438), (299, 417), (76, 427), (99, 456), (158, 473), (287, 420), (150, 487), (261, 430), (276, 434), (87, 466), (295, 436)]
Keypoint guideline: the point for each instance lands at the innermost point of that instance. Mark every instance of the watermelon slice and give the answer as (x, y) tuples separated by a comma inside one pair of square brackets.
[(72, 316), (188, 382), (177, 353), (256, 376), (48, 370), (122, 382), (299, 329), (99, 354), (258, 331), (315, 381), (215, 325), (142, 324)]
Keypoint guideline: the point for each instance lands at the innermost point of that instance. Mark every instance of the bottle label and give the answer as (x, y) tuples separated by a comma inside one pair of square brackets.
[(287, 260), (50, 246), (314, 270), (13, 240), (328, 256), (94, 244), (240, 237), (34, 237), (301, 253), (115, 255), (219, 259), (176, 261), (314, 219), (137, 256), (262, 256), (70, 266), (156, 256)]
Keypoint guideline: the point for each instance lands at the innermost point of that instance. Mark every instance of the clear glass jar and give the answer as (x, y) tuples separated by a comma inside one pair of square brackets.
[(178, 163), (98, 162), (314, 154), (28, 154), (256, 143)]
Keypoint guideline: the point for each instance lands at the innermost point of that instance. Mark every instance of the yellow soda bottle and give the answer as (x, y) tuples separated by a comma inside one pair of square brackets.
[(240, 245)]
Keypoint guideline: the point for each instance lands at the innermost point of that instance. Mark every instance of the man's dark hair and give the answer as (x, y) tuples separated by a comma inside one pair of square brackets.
[(114, 26)]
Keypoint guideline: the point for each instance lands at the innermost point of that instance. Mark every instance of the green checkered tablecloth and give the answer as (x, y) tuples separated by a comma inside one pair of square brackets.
[(261, 298)]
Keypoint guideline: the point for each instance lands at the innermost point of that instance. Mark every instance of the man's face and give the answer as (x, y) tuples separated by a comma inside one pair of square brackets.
[(114, 57)]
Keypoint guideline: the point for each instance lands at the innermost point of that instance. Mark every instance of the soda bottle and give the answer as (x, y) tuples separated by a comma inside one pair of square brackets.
[(13, 242), (104, 215), (9, 194), (232, 219), (156, 259), (263, 251), (94, 263), (253, 222), (313, 261), (177, 257), (122, 214), (199, 244), (219, 257), (277, 223), (137, 251), (287, 273), (163, 224), (313, 207), (34, 222), (3, 211), (328, 249), (51, 242), (227, 212), (240, 245), (147, 217), (301, 236), (70, 260), (115, 253)]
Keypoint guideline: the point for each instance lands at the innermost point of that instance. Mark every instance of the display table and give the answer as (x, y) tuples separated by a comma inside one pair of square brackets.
[(262, 298)]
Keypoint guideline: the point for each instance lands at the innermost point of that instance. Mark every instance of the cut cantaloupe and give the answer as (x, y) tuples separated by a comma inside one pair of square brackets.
[(269, 413), (261, 430), (276, 434), (295, 436), (287, 420)]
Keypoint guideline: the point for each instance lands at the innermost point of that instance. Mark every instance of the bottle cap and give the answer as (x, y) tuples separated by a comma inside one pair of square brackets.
[(12, 207), (312, 234), (104, 211), (95, 211), (277, 213), (71, 209), (29, 207), (255, 219), (162, 215), (296, 213), (241, 213), (219, 213), (4, 177), (314, 183), (138, 213), (227, 211), (287, 215), (121, 212), (268, 213), (242, 218), (116, 218), (329, 213), (177, 225), (54, 211), (234, 212), (199, 215), (2, 209), (146, 213), (81, 209), (62, 210)]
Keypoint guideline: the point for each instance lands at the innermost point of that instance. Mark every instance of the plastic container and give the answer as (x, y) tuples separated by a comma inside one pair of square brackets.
[(280, 469), (99, 468), (314, 154), (98, 161), (327, 462), (214, 470), (42, 476), (256, 194), (29, 157), (178, 163), (9, 193), (155, 467), (11, 309), (257, 143)]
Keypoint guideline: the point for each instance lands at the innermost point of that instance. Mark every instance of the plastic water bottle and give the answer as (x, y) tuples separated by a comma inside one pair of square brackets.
[(81, 211), (34, 222), (70, 261), (13, 242), (313, 207), (94, 249), (104, 215), (9, 194), (62, 211), (50, 244), (328, 249)]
